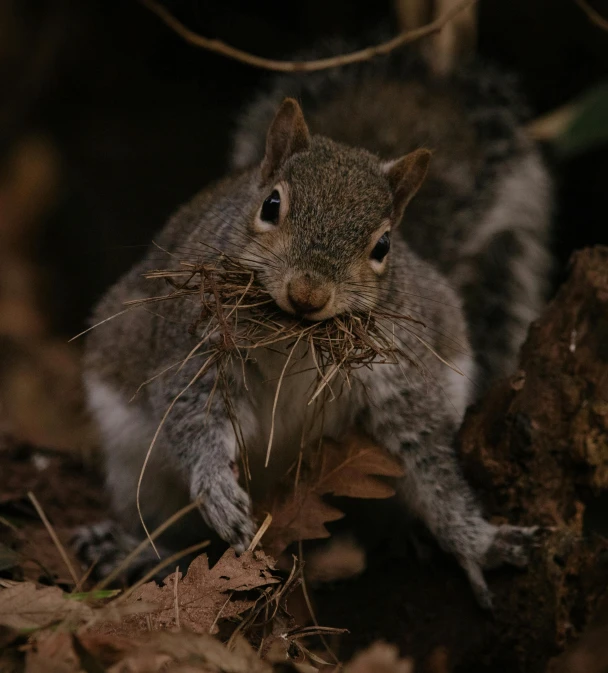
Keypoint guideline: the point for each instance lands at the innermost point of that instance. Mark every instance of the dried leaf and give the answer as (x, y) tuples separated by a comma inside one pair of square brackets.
[(379, 658), (341, 558), (186, 652), (202, 595), (23, 606), (52, 651), (348, 469)]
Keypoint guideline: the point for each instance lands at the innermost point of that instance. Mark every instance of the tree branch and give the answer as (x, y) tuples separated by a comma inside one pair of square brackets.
[(594, 16), (219, 47)]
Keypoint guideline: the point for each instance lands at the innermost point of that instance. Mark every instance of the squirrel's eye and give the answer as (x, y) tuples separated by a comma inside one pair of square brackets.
[(271, 208), (381, 248)]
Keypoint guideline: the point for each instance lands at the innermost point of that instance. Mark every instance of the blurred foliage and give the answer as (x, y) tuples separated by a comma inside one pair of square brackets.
[(588, 128)]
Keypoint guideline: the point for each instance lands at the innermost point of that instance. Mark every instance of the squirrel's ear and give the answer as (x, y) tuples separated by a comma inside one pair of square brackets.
[(405, 176), (288, 134)]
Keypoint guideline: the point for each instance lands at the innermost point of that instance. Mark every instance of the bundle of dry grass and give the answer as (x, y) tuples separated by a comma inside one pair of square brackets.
[(238, 316)]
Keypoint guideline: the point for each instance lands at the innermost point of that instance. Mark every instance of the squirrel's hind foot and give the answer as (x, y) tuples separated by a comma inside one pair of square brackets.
[(103, 547)]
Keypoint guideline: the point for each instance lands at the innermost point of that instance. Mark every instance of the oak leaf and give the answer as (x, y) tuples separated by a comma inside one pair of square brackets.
[(379, 658), (348, 469), (201, 597), (24, 606)]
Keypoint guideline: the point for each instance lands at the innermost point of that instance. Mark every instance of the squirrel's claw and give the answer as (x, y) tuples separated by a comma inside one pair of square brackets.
[(510, 545)]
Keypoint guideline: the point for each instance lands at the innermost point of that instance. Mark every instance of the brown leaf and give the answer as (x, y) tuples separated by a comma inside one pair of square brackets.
[(301, 517), (379, 658), (347, 469), (341, 558), (52, 651), (186, 652), (202, 595), (350, 469), (23, 606)]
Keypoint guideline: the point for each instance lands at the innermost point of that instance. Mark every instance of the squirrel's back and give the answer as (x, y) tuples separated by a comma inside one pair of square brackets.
[(482, 216)]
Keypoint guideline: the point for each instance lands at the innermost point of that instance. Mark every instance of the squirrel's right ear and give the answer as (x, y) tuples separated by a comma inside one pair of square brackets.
[(288, 135)]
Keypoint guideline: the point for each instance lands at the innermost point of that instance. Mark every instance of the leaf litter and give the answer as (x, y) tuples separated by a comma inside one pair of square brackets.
[(170, 627), (197, 600)]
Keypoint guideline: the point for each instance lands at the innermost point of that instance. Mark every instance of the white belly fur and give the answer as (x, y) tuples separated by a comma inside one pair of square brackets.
[(297, 424)]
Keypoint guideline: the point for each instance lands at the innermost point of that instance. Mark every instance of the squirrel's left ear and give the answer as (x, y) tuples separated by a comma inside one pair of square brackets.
[(405, 176), (287, 135)]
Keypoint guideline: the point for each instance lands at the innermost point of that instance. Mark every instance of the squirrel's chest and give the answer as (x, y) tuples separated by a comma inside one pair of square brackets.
[(279, 393)]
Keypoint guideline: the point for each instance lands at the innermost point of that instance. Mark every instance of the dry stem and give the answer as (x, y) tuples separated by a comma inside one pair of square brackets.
[(55, 538)]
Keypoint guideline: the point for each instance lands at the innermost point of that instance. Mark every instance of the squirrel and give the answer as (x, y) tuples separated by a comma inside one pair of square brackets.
[(342, 210)]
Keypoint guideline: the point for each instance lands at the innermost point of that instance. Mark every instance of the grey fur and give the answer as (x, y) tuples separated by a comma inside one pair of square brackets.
[(339, 196), (483, 215)]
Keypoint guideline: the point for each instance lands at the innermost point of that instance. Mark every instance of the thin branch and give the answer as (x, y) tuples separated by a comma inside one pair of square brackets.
[(554, 123), (594, 16), (219, 47), (258, 536)]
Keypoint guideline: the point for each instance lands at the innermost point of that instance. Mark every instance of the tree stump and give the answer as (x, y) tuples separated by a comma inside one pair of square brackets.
[(536, 451)]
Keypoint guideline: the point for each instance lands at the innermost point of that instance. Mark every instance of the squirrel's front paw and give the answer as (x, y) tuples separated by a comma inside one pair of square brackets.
[(226, 507), (508, 545)]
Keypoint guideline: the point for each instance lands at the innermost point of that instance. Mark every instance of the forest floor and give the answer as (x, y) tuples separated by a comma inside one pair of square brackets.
[(535, 449)]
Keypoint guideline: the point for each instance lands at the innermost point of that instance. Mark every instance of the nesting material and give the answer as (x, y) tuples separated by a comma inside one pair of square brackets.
[(238, 316)]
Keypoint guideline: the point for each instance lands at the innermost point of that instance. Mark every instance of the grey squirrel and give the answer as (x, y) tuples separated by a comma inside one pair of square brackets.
[(339, 210)]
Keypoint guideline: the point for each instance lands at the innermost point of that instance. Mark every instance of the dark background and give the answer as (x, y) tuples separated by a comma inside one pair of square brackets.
[(138, 120)]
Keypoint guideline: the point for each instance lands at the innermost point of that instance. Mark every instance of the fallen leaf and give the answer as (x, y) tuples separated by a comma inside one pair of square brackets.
[(379, 658), (341, 558), (348, 469), (210, 652), (202, 596), (108, 649), (23, 606), (52, 651)]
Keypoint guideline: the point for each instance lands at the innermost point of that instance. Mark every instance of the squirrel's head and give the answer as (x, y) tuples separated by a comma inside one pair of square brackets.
[(325, 217)]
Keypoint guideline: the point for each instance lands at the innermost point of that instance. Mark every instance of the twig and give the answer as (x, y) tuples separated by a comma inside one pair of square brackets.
[(219, 47), (175, 583), (554, 123), (258, 536), (310, 608), (56, 540), (594, 16), (217, 616), (8, 524), (157, 568)]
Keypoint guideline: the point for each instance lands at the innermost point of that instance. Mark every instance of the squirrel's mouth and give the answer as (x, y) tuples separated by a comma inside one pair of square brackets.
[(304, 312), (307, 298)]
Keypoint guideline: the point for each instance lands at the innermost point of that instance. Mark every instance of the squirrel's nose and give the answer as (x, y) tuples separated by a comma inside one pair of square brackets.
[(306, 295)]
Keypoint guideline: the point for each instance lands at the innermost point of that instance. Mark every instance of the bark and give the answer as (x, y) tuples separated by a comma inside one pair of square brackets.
[(536, 450)]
